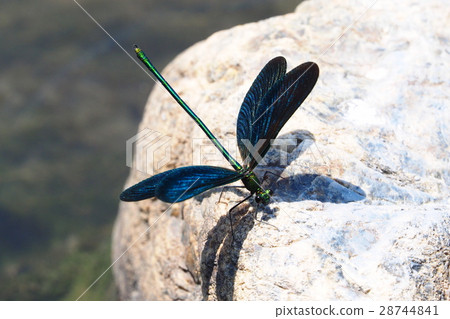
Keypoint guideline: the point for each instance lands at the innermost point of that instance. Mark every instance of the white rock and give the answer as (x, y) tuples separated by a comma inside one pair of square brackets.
[(377, 230)]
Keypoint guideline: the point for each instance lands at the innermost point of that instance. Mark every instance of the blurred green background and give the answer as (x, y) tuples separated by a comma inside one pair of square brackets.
[(70, 98)]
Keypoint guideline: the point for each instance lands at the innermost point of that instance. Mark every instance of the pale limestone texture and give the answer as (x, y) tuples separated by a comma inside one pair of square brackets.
[(361, 212)]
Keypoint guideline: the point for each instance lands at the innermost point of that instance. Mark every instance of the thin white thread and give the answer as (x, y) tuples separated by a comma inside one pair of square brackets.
[(116, 42), (134, 242)]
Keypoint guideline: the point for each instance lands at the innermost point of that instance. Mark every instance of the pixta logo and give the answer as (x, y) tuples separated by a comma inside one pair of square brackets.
[(148, 151)]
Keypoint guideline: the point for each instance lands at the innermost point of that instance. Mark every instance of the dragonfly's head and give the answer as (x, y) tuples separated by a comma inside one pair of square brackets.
[(263, 196)]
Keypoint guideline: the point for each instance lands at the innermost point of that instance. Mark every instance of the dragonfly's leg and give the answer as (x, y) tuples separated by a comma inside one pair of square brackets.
[(255, 214), (262, 221), (223, 188), (229, 213)]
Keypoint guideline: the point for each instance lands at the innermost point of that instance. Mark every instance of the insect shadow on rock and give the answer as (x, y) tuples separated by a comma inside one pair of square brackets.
[(271, 100)]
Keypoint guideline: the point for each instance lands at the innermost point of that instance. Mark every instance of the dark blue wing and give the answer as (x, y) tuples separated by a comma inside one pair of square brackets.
[(272, 72), (180, 184), (185, 182), (143, 190), (280, 101)]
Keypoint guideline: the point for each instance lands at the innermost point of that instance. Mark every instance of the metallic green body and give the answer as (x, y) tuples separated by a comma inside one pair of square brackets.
[(251, 182), (141, 55)]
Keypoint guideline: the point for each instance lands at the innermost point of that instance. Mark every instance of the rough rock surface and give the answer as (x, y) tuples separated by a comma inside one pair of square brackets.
[(362, 211)]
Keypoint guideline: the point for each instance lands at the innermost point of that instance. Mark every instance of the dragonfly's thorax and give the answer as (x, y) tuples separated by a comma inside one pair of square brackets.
[(252, 183)]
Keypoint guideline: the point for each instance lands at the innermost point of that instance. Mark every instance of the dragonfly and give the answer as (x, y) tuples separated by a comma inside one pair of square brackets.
[(271, 100)]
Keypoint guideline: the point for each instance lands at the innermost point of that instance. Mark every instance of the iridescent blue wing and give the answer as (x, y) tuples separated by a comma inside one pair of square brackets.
[(272, 72), (181, 183), (185, 182), (280, 101), (143, 190)]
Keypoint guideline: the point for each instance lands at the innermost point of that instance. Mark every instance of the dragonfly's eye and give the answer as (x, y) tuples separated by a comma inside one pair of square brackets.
[(270, 192), (258, 199)]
